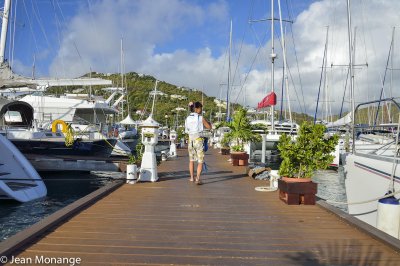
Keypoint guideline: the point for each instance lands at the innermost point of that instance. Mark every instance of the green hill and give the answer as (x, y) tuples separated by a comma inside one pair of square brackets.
[(139, 87)]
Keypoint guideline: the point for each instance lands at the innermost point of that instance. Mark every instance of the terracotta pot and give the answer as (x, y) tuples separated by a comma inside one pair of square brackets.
[(239, 158), (295, 191), (225, 151), (296, 180)]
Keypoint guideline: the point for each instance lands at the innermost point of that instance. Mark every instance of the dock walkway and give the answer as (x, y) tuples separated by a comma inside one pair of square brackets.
[(222, 222)]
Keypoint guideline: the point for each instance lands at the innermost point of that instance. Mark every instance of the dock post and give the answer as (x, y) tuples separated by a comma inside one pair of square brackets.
[(148, 168), (263, 148), (172, 148), (131, 173)]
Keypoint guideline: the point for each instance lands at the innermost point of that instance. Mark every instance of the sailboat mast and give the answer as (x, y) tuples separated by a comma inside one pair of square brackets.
[(391, 78), (228, 113), (284, 61), (219, 105), (154, 98), (273, 56), (325, 68), (122, 63), (4, 28), (351, 71)]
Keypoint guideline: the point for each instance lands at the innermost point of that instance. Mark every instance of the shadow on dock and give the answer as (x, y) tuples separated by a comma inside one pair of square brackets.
[(342, 252), (169, 176)]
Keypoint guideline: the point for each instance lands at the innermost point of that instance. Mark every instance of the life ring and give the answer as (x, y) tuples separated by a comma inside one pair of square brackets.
[(55, 123)]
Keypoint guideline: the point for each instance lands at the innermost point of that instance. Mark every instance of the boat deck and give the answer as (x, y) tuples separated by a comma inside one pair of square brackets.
[(43, 163), (224, 221)]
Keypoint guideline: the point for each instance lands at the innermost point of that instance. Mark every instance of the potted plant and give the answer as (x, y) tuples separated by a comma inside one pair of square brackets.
[(240, 133), (131, 170), (238, 156), (225, 150), (311, 151)]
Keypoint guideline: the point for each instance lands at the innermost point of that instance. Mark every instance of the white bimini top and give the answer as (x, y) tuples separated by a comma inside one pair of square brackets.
[(194, 125)]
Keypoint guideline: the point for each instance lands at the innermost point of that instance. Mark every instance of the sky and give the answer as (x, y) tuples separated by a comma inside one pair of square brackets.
[(186, 43)]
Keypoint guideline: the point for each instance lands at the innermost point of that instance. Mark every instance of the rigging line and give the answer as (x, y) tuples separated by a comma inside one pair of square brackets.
[(297, 59), (61, 11), (260, 46), (366, 58), (58, 26), (321, 77), (95, 29), (294, 86), (344, 93), (145, 107), (40, 22), (241, 45), (252, 63), (223, 68), (383, 83), (30, 25), (370, 37)]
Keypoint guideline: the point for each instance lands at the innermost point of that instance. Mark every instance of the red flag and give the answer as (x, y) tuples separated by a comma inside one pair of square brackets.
[(268, 100)]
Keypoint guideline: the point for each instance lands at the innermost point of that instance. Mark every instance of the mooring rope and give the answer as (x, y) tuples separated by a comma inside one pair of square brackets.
[(362, 202)]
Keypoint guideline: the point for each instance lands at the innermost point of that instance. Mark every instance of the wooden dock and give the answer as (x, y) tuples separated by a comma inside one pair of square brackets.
[(222, 222)]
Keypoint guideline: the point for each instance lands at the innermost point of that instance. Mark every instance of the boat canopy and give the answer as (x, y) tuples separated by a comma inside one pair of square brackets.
[(128, 121), (9, 111)]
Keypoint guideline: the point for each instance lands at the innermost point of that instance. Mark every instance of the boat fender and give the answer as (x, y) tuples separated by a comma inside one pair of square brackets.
[(388, 216)]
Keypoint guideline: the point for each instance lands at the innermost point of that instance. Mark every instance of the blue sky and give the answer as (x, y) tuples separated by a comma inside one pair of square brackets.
[(40, 25), (184, 42)]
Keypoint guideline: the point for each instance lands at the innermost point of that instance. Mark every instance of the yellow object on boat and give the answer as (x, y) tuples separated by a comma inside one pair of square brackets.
[(55, 123), (66, 129)]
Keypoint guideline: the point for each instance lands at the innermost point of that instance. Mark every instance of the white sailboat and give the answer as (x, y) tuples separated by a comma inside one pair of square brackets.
[(18, 179), (275, 128), (372, 173), (87, 116)]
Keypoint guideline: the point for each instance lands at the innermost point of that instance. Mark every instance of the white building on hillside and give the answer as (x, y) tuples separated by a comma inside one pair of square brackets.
[(177, 96)]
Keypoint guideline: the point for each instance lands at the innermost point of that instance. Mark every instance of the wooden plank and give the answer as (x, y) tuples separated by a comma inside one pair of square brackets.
[(370, 230), (224, 221), (12, 244)]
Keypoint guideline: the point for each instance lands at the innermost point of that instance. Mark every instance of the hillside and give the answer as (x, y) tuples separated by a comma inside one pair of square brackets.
[(139, 87)]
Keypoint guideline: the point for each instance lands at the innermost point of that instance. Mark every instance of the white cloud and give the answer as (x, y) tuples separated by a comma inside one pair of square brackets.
[(143, 25), (146, 26), (372, 47)]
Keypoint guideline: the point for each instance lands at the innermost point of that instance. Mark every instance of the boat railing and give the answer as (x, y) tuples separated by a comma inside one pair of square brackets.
[(375, 127)]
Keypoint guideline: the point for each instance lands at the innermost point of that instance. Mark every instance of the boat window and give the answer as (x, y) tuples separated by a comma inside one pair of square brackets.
[(12, 116)]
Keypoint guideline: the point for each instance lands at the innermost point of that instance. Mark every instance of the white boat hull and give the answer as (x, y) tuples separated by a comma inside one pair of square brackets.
[(18, 179), (368, 177)]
